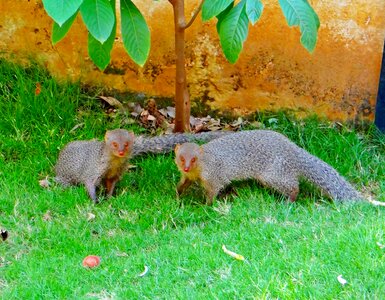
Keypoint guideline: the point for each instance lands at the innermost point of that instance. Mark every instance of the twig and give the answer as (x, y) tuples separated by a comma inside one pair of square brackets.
[(194, 16)]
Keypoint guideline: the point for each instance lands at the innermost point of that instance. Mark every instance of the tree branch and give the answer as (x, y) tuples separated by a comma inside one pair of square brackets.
[(194, 16)]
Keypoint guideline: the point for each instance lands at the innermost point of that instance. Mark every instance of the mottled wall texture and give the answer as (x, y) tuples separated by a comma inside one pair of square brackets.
[(339, 80)]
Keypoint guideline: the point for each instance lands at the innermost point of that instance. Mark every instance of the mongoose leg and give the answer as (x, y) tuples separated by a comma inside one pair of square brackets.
[(62, 181), (110, 185), (183, 184), (293, 195), (91, 189), (289, 188), (212, 191), (230, 190)]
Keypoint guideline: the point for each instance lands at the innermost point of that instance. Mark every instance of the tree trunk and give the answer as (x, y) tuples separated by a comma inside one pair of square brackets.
[(182, 98)]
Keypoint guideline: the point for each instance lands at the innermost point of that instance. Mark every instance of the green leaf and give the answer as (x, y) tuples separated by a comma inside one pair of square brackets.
[(300, 13), (212, 8), (233, 31), (135, 32), (99, 17), (59, 32), (254, 10), (223, 14), (101, 53), (61, 10)]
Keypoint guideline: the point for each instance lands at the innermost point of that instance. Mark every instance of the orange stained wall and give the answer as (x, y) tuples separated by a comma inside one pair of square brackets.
[(339, 80)]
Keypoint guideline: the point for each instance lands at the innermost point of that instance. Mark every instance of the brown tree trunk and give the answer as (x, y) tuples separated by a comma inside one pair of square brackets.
[(182, 98)]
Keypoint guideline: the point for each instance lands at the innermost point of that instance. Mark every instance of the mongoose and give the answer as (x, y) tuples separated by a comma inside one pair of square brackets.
[(264, 155), (94, 162)]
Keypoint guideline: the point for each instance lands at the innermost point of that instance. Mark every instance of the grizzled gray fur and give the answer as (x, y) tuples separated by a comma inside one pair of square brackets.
[(166, 143), (94, 163), (264, 155)]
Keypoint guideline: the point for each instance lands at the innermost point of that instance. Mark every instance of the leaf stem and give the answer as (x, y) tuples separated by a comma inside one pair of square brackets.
[(194, 16)]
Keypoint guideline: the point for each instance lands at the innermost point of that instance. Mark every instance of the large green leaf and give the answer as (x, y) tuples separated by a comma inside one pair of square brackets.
[(212, 8), (254, 10), (99, 17), (135, 32), (101, 53), (233, 31), (300, 13), (222, 15), (61, 10), (59, 32)]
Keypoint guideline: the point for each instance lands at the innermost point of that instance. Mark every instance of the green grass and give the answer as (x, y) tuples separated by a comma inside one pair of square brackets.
[(292, 251)]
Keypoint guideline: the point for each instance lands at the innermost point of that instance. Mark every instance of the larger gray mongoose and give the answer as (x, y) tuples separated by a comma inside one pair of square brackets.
[(94, 162), (264, 155)]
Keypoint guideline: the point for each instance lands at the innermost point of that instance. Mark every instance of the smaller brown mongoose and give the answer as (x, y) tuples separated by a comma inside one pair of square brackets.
[(264, 155), (94, 162)]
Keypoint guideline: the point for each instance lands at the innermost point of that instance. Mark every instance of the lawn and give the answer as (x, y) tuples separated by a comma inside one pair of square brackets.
[(292, 251)]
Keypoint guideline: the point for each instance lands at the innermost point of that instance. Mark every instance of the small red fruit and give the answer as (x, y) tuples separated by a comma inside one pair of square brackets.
[(91, 261)]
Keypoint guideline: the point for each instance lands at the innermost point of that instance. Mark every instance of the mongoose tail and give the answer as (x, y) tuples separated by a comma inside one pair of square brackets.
[(166, 143), (326, 178), (330, 181)]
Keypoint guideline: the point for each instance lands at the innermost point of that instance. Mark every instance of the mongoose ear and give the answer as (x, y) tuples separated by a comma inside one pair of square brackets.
[(106, 135), (132, 135), (177, 148)]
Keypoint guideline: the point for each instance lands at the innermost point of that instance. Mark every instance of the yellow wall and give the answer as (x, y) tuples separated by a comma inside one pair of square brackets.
[(339, 80)]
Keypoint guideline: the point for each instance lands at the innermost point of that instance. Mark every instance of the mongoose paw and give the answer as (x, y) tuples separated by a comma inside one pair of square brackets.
[(209, 202)]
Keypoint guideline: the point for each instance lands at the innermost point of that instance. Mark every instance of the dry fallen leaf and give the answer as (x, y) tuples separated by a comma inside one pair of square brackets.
[(257, 124), (341, 280), (44, 183), (237, 123), (375, 202), (232, 254), (112, 101), (144, 272), (151, 118), (90, 216), (198, 127), (76, 127), (171, 112), (170, 129), (137, 108), (163, 111), (134, 114), (193, 121), (47, 216)]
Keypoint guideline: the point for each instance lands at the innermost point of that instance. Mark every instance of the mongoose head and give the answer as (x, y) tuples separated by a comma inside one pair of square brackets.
[(119, 142), (187, 156)]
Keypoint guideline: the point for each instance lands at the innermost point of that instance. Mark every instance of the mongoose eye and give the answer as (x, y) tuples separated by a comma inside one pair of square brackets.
[(182, 159), (115, 144), (126, 145), (193, 159)]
